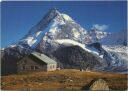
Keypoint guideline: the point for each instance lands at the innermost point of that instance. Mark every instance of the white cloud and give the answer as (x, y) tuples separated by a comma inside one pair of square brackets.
[(100, 27)]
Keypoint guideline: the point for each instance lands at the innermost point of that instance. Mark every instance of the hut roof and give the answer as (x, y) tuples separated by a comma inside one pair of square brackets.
[(43, 58)]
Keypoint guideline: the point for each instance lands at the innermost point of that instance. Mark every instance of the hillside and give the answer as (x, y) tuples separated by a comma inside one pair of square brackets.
[(76, 57), (66, 79)]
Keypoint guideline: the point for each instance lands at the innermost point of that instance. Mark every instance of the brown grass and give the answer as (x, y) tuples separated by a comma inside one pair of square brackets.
[(68, 78)]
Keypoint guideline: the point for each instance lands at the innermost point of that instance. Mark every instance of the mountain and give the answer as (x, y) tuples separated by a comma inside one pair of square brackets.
[(97, 35), (54, 25), (76, 57), (118, 38), (60, 37)]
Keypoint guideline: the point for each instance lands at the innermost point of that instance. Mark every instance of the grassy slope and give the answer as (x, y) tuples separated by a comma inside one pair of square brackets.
[(61, 79)]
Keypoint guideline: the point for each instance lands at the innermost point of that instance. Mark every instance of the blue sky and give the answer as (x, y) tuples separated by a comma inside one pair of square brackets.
[(18, 17)]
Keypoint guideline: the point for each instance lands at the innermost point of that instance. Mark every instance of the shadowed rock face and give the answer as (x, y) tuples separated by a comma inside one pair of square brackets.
[(76, 57), (96, 45)]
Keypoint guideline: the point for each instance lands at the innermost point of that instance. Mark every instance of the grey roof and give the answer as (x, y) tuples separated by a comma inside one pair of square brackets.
[(44, 58)]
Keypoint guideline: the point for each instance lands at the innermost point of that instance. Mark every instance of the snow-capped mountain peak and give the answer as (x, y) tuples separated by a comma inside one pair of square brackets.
[(66, 17), (54, 25), (38, 31)]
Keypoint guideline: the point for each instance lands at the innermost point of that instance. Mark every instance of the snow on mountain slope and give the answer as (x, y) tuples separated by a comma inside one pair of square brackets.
[(37, 32), (62, 27), (96, 35), (54, 25), (30, 41), (117, 57), (121, 51), (66, 17), (35, 38), (118, 48), (118, 38), (117, 61), (69, 42)]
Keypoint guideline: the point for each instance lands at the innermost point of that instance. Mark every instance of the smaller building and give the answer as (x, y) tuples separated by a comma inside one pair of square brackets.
[(36, 62)]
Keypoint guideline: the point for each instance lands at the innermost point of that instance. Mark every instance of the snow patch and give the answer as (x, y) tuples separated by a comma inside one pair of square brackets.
[(66, 17), (38, 33), (2, 49), (72, 42), (123, 49), (12, 45), (30, 41), (54, 27), (76, 33)]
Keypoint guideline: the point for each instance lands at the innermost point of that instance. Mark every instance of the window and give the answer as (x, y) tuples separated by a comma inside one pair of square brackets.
[(23, 67), (32, 67), (51, 67), (36, 67)]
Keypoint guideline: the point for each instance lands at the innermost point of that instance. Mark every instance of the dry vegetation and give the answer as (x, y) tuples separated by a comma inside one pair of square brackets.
[(62, 79)]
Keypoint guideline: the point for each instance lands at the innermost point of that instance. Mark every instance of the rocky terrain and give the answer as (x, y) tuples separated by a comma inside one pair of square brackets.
[(64, 80)]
